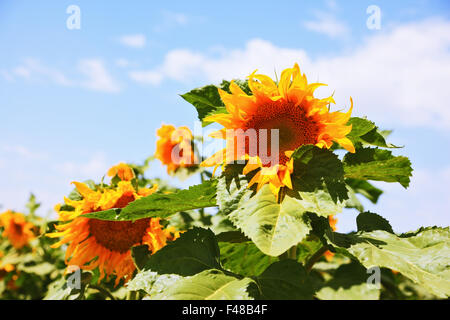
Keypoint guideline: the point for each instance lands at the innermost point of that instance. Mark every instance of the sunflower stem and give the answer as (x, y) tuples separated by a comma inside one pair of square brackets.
[(131, 295), (292, 253), (315, 257)]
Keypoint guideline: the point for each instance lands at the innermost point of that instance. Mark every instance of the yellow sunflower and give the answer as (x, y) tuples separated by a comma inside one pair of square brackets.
[(174, 147), (333, 221), (289, 107), (105, 244), (16, 228)]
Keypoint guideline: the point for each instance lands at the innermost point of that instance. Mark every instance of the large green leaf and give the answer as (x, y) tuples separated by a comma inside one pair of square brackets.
[(377, 164), (163, 205), (275, 227), (244, 258), (349, 282), (207, 285), (423, 256), (196, 250), (285, 280)]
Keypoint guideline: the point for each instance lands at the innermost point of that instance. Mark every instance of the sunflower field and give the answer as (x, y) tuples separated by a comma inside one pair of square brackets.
[(260, 225)]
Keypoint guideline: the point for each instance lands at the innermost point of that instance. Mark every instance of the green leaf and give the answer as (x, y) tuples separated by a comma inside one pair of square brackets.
[(367, 133), (314, 167), (422, 256), (163, 205), (368, 221), (275, 227), (205, 99), (196, 250), (377, 164), (349, 282), (285, 280), (151, 282), (364, 188), (207, 285), (244, 258)]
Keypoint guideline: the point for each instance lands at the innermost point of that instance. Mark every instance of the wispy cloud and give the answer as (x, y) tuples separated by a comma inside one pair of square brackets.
[(328, 24), (133, 40), (24, 152), (35, 70), (98, 78)]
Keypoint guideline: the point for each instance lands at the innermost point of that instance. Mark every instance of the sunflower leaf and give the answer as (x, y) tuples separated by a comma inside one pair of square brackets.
[(285, 280), (368, 221), (377, 164), (422, 256), (196, 250), (205, 99), (207, 285), (349, 282), (163, 205), (314, 167), (365, 189), (367, 133), (275, 227), (244, 258)]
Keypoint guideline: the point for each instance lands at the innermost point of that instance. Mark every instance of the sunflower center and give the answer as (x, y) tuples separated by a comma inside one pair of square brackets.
[(17, 228), (295, 129), (119, 236)]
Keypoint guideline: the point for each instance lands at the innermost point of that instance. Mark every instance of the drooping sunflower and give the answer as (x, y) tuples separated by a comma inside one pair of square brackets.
[(290, 107), (105, 244), (16, 228), (174, 147)]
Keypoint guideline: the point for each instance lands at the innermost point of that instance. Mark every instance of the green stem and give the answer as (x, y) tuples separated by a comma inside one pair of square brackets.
[(315, 257), (131, 295), (102, 290), (292, 253)]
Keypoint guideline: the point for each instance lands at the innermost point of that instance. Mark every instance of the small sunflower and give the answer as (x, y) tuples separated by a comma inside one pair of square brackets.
[(16, 228), (333, 221), (174, 147), (289, 107), (104, 244)]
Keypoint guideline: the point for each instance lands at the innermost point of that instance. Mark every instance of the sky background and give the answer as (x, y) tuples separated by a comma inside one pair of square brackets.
[(74, 102)]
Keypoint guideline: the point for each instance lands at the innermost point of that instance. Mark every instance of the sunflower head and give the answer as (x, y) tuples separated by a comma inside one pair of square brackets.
[(105, 244), (16, 228), (174, 147), (291, 108)]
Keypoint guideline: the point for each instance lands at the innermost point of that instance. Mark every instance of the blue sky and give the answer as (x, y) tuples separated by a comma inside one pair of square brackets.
[(75, 102)]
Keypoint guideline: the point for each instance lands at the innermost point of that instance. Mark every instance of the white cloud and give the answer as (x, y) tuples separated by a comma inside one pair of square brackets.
[(98, 78), (122, 62), (327, 24), (398, 76), (133, 40), (33, 69)]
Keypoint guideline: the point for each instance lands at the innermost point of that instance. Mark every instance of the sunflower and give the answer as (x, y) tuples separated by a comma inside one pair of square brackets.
[(174, 147), (289, 107), (105, 244), (16, 228), (333, 221)]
